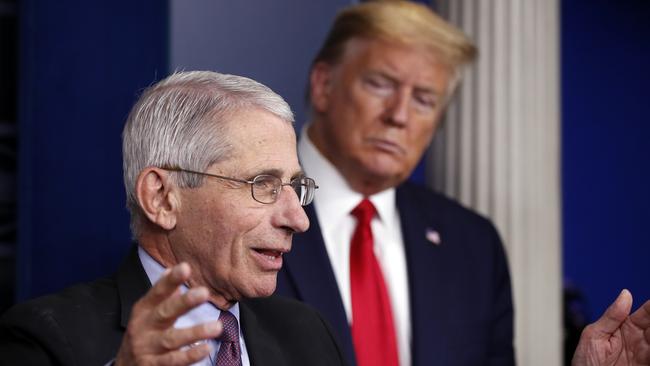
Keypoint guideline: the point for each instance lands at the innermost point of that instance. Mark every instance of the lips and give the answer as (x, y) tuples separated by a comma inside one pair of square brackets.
[(272, 254), (269, 259), (387, 146)]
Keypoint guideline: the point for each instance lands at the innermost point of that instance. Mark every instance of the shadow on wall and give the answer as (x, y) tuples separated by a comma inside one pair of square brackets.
[(8, 155)]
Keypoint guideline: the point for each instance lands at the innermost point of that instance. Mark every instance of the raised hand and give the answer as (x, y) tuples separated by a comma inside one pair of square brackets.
[(616, 338), (151, 339)]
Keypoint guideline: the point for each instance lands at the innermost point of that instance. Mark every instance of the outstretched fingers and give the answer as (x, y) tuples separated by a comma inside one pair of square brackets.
[(171, 308), (184, 357), (150, 336), (641, 318), (174, 339), (167, 285), (615, 315)]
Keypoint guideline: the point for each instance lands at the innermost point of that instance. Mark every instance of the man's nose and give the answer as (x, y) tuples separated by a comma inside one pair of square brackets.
[(291, 213), (397, 112)]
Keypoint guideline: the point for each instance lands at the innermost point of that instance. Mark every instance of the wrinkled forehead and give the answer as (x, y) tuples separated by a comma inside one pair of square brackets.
[(261, 140)]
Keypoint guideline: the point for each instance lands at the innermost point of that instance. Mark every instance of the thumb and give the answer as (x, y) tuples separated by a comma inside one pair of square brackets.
[(615, 314)]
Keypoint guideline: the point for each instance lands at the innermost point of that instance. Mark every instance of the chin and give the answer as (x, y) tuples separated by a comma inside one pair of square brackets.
[(383, 165), (385, 174), (261, 293), (263, 288)]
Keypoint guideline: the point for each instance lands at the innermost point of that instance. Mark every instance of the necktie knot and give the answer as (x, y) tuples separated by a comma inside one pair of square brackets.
[(364, 212), (230, 327)]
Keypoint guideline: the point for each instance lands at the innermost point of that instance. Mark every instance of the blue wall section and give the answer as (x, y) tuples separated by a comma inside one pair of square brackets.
[(82, 63), (606, 154), (272, 42)]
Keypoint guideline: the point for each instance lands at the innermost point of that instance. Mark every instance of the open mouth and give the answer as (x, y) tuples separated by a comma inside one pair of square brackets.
[(268, 259), (269, 253)]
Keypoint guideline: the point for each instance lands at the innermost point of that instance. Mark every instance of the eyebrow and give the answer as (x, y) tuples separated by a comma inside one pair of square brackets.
[(278, 173), (395, 80), (382, 74), (426, 90)]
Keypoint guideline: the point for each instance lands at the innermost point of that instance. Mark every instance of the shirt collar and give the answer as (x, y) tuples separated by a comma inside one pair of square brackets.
[(200, 314)]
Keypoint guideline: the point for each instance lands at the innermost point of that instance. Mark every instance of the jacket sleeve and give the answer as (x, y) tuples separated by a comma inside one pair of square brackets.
[(32, 337), (501, 349)]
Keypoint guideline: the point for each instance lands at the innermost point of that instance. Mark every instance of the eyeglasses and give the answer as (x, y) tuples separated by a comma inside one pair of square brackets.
[(266, 188)]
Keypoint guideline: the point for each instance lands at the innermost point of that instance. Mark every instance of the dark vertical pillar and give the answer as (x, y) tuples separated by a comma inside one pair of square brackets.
[(8, 108), (81, 66)]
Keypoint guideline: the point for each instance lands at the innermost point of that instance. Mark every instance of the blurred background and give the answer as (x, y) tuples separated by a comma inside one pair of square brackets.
[(70, 71)]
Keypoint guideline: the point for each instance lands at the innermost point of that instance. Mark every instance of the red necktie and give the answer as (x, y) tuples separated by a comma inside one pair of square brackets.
[(373, 332)]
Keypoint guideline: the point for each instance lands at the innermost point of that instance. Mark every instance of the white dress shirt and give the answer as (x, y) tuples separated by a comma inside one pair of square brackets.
[(333, 203), (203, 313)]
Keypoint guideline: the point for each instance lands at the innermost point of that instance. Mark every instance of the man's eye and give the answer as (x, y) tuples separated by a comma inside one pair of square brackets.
[(265, 184), (378, 85), (425, 102)]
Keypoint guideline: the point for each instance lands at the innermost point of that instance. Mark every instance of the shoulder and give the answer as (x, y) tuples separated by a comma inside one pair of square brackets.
[(466, 239), (70, 302), (443, 210), (60, 325), (285, 312), (299, 332)]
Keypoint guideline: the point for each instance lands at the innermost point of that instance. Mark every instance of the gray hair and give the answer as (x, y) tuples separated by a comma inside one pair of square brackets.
[(181, 121)]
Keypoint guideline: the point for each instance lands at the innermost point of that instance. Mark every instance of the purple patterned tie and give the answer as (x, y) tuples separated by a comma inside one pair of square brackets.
[(229, 351)]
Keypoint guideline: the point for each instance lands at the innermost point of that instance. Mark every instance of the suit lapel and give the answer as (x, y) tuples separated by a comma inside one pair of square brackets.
[(309, 269), (425, 263), (132, 284), (261, 346)]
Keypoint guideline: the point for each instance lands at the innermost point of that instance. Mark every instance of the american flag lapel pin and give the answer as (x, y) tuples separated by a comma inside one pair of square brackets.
[(432, 236)]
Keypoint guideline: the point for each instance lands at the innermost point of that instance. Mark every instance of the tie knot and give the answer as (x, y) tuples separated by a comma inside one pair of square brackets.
[(364, 212), (230, 327)]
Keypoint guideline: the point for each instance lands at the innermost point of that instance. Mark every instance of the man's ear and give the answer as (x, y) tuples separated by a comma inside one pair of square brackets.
[(320, 81), (158, 198)]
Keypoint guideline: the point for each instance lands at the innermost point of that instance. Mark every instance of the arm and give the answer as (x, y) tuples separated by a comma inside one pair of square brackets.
[(501, 349), (616, 338), (150, 337), (20, 346)]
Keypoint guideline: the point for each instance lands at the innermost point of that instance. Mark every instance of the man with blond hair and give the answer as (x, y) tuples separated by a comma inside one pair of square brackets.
[(406, 276)]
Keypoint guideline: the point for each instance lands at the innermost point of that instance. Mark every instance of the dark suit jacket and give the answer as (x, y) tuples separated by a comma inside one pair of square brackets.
[(460, 300), (83, 325)]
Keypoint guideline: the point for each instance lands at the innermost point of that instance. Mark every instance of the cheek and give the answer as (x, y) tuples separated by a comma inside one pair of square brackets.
[(423, 130), (360, 107), (368, 108), (422, 140), (245, 231), (230, 228), (419, 140), (357, 123)]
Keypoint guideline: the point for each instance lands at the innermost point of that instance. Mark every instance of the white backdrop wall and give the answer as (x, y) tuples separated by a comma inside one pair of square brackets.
[(499, 149)]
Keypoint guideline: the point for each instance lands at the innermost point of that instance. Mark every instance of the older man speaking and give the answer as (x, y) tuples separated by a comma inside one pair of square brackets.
[(215, 193)]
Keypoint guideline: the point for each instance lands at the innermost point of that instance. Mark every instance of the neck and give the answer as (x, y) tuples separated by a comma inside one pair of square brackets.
[(159, 248), (366, 187)]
